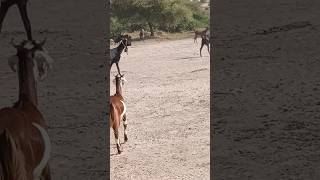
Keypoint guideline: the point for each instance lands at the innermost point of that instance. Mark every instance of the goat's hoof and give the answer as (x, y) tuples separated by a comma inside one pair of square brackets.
[(125, 139)]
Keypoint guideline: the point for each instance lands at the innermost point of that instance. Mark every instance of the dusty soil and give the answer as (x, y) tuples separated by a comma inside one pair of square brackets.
[(72, 98), (266, 54), (167, 97)]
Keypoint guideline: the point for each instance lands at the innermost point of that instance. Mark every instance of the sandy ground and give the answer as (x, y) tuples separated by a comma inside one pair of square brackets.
[(266, 54), (72, 98), (167, 97)]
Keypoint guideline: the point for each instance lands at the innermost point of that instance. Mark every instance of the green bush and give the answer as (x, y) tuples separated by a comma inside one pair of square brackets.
[(116, 28)]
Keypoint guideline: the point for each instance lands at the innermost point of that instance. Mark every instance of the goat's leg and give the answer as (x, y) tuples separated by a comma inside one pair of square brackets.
[(118, 69), (208, 48), (3, 11), (201, 49), (46, 173), (26, 22), (111, 65), (116, 136), (125, 125)]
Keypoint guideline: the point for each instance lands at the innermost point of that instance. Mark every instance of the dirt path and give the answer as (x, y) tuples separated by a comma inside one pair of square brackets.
[(167, 95)]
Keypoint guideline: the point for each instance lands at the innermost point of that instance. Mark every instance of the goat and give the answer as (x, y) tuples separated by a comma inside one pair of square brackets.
[(118, 111), (205, 41), (22, 5), (24, 142), (115, 53), (199, 34), (142, 34)]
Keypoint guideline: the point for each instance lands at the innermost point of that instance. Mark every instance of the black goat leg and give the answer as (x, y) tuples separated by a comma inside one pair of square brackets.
[(3, 11), (118, 69), (25, 19)]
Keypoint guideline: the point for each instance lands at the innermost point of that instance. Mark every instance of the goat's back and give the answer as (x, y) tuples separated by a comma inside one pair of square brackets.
[(116, 109), (17, 124)]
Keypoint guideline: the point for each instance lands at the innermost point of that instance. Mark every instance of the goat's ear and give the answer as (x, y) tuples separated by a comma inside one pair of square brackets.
[(44, 63), (13, 62), (40, 43)]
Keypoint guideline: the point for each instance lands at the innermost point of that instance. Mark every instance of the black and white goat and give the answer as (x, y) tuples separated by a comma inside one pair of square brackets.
[(205, 40), (115, 53)]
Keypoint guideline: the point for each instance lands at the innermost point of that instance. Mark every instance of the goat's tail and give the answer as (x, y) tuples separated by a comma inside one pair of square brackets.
[(37, 172), (111, 114), (12, 162)]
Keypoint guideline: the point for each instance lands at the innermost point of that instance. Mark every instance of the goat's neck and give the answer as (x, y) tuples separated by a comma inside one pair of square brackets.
[(118, 88), (120, 48), (27, 81)]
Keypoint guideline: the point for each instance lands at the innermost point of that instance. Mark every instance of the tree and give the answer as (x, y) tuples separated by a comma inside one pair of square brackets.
[(167, 14)]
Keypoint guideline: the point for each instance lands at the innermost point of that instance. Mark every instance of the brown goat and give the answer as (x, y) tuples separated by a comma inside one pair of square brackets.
[(118, 111), (24, 142)]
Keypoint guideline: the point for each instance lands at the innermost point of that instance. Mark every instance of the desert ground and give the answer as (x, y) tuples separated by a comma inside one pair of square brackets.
[(266, 56), (72, 98), (167, 95)]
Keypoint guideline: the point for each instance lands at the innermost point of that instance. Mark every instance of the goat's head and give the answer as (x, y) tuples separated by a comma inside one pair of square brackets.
[(119, 79), (125, 39), (34, 51)]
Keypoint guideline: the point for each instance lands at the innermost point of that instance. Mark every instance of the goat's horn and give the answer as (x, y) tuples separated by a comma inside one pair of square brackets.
[(46, 154), (43, 41)]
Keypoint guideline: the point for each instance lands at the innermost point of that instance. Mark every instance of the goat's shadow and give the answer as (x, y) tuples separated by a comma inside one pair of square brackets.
[(183, 58)]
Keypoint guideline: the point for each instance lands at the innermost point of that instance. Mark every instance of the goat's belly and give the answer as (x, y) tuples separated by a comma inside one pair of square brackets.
[(113, 53)]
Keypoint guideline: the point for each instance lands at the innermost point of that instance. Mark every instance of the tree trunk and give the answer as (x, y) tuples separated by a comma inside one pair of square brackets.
[(151, 29)]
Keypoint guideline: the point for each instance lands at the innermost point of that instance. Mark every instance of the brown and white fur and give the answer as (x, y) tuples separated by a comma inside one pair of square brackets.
[(24, 142), (118, 111)]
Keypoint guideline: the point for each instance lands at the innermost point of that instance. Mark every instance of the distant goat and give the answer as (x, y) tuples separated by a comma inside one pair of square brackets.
[(24, 142), (199, 34), (118, 111), (142, 34), (205, 41), (115, 53)]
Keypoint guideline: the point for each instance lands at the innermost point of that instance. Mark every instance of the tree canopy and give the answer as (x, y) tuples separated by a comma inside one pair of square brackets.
[(167, 15)]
